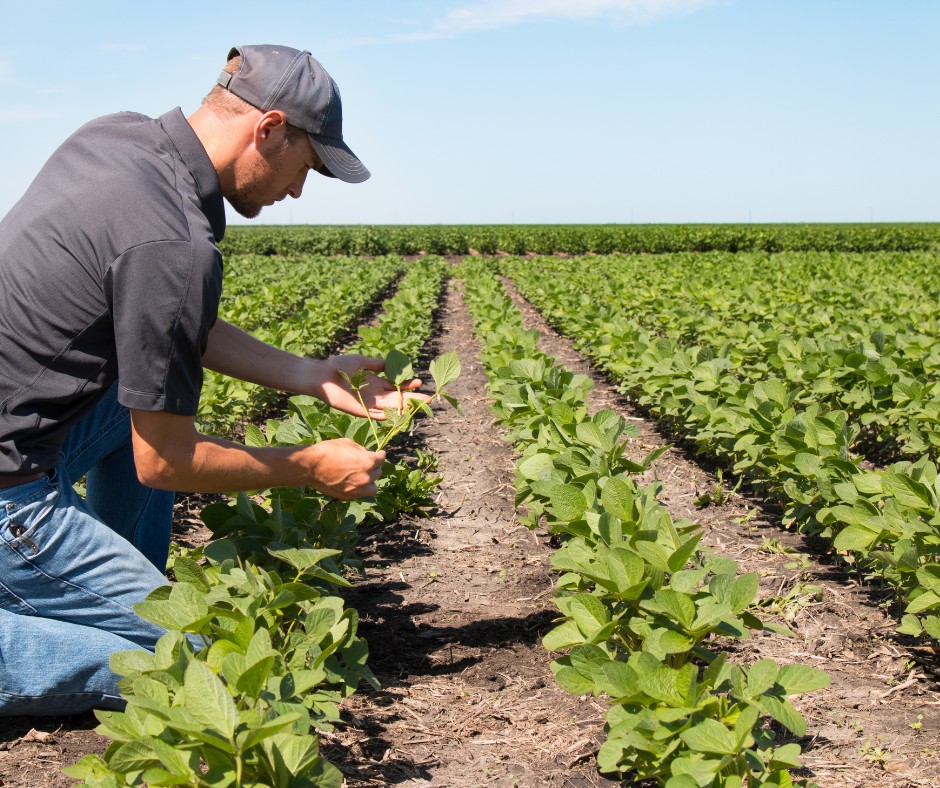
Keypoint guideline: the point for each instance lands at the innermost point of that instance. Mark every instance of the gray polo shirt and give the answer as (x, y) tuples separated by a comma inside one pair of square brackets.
[(109, 270)]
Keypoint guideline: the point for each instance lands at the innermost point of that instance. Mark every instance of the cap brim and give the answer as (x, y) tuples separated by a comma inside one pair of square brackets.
[(340, 161)]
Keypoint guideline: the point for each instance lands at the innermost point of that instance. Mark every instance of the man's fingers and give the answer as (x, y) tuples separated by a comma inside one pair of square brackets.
[(417, 396), (372, 364), (411, 385)]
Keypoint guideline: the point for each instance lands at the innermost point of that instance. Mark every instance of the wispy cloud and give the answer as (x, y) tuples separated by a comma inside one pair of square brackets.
[(10, 114), (494, 14)]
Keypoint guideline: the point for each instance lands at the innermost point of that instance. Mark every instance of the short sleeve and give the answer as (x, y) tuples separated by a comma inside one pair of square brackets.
[(164, 299)]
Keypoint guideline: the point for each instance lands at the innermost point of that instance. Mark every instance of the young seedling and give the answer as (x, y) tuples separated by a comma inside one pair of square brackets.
[(445, 369)]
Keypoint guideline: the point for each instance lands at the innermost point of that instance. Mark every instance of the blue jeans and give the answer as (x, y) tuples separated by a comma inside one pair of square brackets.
[(71, 569)]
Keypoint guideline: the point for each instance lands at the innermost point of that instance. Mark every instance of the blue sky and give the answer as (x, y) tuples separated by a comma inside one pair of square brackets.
[(499, 111)]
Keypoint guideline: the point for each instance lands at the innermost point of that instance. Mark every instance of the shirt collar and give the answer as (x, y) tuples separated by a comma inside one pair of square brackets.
[(199, 164)]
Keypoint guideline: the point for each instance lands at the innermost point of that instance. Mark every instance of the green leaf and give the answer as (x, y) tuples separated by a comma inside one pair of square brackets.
[(453, 402), (685, 551), (254, 437), (573, 682), (786, 757), (88, 766), (219, 650), (536, 467), (123, 663), (666, 685), (561, 637), (868, 483), (445, 369), (784, 713), (398, 368), (253, 679), (302, 559), (208, 700), (855, 538), (926, 601), (673, 604), (910, 625), (693, 773), (907, 491), (743, 591), (589, 613), (253, 736), (133, 756), (761, 676), (617, 498), (219, 550), (590, 434), (292, 755), (188, 571), (710, 736), (566, 501), (932, 626), (796, 679), (185, 610)]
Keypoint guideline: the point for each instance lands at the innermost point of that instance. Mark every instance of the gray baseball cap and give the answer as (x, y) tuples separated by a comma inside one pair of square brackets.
[(274, 77)]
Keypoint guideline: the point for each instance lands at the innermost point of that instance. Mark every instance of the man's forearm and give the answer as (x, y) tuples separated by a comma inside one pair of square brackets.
[(237, 354), (207, 464), (171, 454)]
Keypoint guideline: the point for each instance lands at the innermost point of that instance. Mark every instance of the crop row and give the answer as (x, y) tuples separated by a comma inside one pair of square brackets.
[(259, 649), (641, 607), (887, 521), (576, 239)]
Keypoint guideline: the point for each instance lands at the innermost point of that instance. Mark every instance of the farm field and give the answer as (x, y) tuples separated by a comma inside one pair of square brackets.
[(684, 526)]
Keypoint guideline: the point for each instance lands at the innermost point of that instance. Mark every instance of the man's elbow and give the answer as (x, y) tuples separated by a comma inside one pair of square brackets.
[(163, 449), (155, 471)]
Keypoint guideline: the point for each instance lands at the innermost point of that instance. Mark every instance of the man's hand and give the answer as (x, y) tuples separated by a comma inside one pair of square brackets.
[(377, 393), (343, 469)]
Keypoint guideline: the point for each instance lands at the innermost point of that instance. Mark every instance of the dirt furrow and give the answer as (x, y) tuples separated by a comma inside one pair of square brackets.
[(454, 608), (879, 722)]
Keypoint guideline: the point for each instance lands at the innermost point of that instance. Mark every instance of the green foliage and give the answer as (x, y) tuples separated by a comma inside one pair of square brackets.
[(250, 662), (782, 379), (576, 239)]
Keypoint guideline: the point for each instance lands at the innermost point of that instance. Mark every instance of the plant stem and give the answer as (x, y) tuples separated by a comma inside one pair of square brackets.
[(375, 434)]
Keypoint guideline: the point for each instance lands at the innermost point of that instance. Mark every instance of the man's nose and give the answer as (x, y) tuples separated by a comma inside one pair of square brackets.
[(296, 187)]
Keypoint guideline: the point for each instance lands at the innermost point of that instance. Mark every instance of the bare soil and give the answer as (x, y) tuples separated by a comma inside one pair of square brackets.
[(454, 608)]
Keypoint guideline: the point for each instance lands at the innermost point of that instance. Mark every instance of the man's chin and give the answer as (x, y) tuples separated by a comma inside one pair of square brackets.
[(248, 210)]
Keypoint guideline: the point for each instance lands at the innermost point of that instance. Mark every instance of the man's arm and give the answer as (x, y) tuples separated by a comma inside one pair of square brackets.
[(171, 454), (237, 354)]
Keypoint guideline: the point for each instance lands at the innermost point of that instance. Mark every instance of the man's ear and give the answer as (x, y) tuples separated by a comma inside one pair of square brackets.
[(270, 129)]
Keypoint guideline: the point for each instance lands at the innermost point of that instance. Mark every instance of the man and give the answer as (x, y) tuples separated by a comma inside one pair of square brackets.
[(110, 280)]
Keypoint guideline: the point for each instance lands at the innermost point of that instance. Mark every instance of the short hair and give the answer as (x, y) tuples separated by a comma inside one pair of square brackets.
[(226, 104)]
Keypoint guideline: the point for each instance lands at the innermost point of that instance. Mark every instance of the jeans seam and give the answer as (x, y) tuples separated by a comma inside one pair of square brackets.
[(59, 695), (110, 603), (30, 610)]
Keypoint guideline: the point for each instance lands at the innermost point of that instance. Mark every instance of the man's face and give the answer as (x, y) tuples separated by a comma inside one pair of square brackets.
[(263, 180)]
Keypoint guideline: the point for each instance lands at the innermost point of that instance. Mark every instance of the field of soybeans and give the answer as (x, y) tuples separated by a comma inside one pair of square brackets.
[(672, 518)]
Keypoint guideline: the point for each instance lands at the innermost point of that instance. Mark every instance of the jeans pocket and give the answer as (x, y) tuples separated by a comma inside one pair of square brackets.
[(21, 518), (10, 601)]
